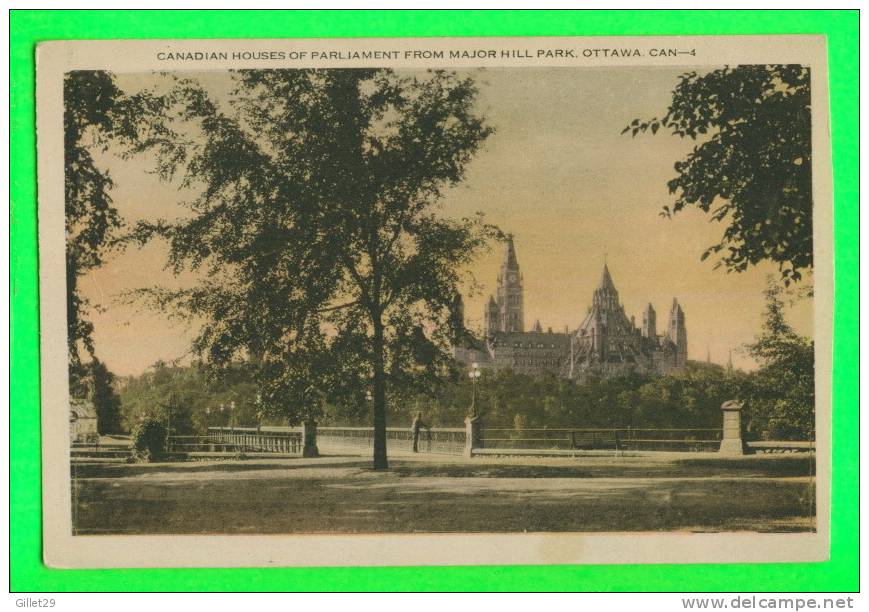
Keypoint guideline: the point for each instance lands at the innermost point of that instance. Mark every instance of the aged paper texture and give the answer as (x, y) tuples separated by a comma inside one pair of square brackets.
[(435, 301)]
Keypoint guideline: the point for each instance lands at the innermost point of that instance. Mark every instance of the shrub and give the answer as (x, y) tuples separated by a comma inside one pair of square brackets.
[(149, 439)]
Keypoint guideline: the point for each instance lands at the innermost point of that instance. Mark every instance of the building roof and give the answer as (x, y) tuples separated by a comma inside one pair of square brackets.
[(606, 281), (510, 260)]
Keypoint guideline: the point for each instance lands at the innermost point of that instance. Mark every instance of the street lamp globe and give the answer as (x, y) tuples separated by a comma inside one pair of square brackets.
[(474, 374)]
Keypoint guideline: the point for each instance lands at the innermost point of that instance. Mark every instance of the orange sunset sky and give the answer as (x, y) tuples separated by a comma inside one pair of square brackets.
[(556, 174)]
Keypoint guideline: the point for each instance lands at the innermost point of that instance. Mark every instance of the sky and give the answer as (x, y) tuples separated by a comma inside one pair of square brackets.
[(556, 173)]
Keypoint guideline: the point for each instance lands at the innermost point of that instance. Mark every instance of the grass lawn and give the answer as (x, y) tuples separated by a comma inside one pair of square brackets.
[(448, 494)]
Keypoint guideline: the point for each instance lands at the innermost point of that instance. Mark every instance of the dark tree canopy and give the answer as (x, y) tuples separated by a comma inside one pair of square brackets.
[(101, 384), (752, 166), (96, 114), (326, 261)]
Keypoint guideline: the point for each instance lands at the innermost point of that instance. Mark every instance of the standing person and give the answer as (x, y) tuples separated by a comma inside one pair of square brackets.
[(414, 430)]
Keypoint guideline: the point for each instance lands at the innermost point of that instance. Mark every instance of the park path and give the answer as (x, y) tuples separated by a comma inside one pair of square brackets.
[(430, 493)]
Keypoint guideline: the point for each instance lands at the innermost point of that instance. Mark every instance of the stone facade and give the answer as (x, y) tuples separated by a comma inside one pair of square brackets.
[(605, 344), (82, 421), (506, 314)]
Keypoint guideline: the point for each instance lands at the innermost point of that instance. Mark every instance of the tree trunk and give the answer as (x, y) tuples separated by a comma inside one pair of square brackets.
[(379, 399)]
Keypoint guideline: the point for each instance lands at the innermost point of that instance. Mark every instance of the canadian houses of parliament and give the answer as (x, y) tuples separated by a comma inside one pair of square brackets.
[(605, 344)]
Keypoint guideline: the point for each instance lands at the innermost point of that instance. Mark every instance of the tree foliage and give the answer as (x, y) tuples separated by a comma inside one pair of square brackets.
[(781, 394), (101, 390), (325, 259), (96, 114), (752, 166), (193, 398), (692, 398), (506, 399), (149, 439), (776, 407)]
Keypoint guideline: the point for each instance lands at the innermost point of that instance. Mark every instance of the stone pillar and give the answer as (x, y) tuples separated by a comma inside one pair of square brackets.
[(473, 435), (731, 436), (309, 439)]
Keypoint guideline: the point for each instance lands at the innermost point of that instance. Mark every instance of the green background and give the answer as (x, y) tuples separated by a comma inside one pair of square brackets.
[(27, 28)]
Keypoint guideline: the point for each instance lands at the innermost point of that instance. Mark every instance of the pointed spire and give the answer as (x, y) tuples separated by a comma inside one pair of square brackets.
[(537, 327), (492, 302), (510, 260), (606, 281), (730, 360)]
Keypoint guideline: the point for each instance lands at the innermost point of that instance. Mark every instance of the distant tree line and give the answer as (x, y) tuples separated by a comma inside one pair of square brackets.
[(191, 398), (184, 397), (779, 395)]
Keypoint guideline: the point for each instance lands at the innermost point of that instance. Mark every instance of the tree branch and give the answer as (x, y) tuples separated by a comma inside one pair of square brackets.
[(339, 306)]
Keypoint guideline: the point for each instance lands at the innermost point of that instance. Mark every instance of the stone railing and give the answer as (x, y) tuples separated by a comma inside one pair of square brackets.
[(438, 440), (243, 439), (474, 439), (688, 440)]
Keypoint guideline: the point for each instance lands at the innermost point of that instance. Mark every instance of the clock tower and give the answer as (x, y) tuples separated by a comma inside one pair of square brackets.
[(509, 300)]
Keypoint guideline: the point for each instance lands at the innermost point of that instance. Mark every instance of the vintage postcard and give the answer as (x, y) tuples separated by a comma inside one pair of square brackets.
[(435, 301)]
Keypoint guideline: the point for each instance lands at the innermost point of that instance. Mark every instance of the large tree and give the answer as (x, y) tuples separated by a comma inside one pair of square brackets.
[(97, 116), (752, 166), (325, 260)]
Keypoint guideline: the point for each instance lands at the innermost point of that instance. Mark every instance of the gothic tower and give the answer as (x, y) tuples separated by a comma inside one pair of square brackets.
[(492, 318), (606, 314), (512, 318), (605, 297), (677, 333), (650, 329)]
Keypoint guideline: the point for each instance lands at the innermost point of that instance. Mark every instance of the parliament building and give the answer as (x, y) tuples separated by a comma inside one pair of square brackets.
[(605, 344)]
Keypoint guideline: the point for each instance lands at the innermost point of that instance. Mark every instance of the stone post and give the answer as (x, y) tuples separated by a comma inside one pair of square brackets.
[(731, 436), (309, 439), (473, 435)]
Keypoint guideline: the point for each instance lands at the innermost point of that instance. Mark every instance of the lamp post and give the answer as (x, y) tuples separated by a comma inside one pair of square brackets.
[(369, 399), (168, 424), (232, 416), (474, 374), (259, 411)]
